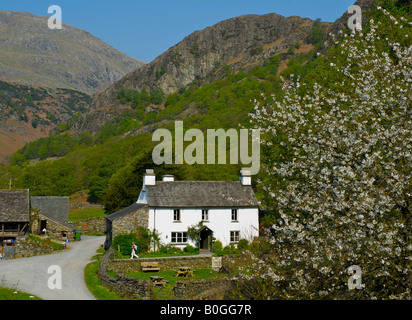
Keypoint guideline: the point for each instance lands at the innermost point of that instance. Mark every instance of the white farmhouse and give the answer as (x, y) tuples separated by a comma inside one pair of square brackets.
[(228, 210)]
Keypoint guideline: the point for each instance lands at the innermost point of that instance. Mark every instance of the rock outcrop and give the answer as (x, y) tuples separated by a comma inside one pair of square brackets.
[(239, 43)]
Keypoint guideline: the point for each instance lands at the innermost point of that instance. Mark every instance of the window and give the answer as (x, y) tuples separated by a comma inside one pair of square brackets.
[(205, 215), (234, 236), (176, 215), (179, 237), (234, 214)]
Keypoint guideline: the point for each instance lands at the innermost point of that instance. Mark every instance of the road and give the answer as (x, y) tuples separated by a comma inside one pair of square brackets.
[(31, 274)]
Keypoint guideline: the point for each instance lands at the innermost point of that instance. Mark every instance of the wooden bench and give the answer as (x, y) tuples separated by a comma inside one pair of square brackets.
[(149, 266)]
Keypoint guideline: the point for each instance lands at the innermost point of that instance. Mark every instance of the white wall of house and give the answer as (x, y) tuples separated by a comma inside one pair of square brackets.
[(219, 221)]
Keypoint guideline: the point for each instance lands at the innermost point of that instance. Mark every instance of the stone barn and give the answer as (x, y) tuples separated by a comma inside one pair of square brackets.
[(14, 218), (126, 220), (51, 214)]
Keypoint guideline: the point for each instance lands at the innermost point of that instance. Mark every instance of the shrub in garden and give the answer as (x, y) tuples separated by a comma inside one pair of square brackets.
[(217, 247)]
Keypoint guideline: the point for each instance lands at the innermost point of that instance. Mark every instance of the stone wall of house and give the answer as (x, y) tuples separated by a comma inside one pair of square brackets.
[(124, 285), (54, 228), (126, 224), (130, 222)]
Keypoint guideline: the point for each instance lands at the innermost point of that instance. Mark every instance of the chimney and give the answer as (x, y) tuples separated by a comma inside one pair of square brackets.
[(168, 177), (149, 178), (245, 178)]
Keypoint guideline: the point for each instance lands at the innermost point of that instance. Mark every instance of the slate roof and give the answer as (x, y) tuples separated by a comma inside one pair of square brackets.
[(200, 194), (52, 207), (121, 213), (62, 223), (14, 206)]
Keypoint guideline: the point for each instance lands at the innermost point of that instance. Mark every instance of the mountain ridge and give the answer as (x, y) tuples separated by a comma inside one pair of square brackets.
[(31, 53), (239, 43)]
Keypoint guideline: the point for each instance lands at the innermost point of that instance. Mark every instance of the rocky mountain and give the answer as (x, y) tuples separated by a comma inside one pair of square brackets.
[(33, 54), (237, 44)]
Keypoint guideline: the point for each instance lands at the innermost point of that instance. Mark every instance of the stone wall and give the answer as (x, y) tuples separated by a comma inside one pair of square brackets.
[(124, 285), (218, 288), (130, 222), (90, 226), (207, 289), (165, 263), (126, 220), (32, 247)]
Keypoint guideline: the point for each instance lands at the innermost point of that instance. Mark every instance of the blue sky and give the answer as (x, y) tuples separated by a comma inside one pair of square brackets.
[(145, 29)]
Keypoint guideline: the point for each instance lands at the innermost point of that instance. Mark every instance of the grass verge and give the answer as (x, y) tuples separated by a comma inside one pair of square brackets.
[(12, 294)]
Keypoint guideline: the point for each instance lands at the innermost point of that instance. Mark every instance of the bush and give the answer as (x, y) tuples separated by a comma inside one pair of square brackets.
[(170, 249), (217, 247), (260, 245), (189, 249), (124, 241), (227, 250), (242, 244)]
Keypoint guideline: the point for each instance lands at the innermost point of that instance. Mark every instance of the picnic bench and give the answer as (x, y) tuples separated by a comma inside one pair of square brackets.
[(184, 271), (149, 266), (158, 281)]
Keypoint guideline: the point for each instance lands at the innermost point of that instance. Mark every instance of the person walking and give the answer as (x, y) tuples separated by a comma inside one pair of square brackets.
[(134, 249)]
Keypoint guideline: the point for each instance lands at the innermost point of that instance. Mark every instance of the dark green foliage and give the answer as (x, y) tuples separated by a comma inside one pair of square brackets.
[(242, 244), (217, 247), (18, 98), (124, 241), (160, 72), (190, 249), (316, 34)]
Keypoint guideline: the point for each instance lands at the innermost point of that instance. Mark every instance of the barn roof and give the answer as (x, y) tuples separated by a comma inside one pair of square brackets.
[(200, 194), (123, 212), (52, 207), (14, 205)]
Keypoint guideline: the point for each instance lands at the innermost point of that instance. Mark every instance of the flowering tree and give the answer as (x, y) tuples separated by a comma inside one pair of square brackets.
[(339, 168)]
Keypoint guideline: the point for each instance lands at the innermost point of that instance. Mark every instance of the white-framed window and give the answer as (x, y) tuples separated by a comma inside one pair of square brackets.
[(205, 215), (176, 215), (234, 236), (234, 214), (179, 237)]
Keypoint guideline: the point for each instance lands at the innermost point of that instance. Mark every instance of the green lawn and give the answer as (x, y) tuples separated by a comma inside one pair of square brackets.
[(12, 294), (85, 214), (94, 284)]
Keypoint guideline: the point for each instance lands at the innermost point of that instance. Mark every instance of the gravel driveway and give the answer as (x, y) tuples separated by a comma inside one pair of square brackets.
[(31, 274)]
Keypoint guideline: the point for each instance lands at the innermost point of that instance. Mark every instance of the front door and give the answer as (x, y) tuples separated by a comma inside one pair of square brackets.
[(205, 238)]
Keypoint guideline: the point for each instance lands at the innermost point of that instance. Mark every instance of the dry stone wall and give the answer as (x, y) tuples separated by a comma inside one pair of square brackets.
[(124, 285), (165, 263)]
